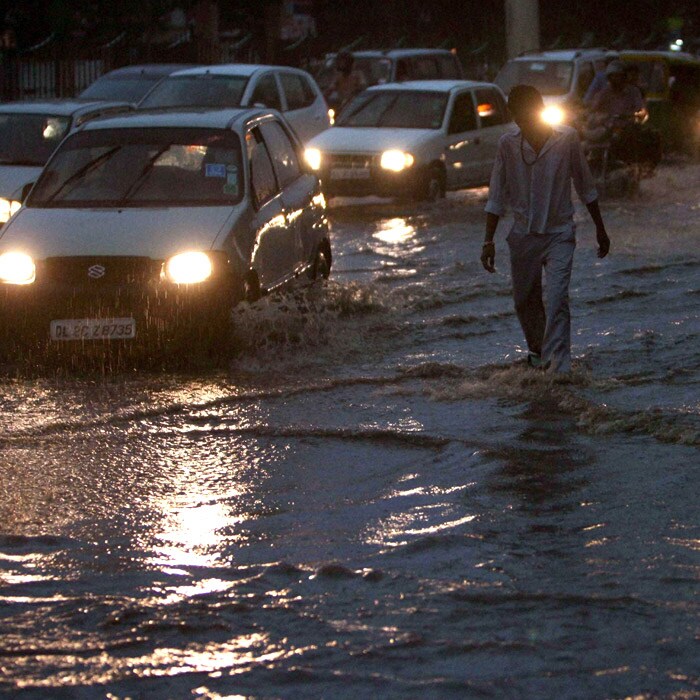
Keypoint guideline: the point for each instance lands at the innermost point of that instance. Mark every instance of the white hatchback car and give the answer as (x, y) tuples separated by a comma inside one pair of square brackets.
[(417, 139), (153, 221), (288, 90)]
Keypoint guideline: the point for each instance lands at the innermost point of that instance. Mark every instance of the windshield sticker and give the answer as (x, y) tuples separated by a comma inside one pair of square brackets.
[(215, 170), (538, 67), (231, 186)]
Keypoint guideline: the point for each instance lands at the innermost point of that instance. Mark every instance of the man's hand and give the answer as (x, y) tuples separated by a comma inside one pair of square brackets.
[(488, 256), (603, 241)]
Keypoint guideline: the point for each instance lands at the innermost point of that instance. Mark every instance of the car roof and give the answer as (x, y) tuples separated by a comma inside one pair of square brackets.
[(677, 56), (432, 85), (61, 108), (205, 118), (396, 53), (244, 69), (561, 54), (151, 70)]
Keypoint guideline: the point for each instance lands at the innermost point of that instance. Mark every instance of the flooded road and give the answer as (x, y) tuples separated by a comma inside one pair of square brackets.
[(378, 498)]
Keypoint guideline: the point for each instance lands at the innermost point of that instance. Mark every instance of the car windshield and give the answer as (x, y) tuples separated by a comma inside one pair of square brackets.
[(395, 109), (374, 69), (29, 139), (549, 77), (143, 167), (204, 90), (126, 89)]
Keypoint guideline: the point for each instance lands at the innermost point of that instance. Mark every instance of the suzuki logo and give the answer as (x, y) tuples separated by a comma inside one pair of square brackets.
[(96, 271)]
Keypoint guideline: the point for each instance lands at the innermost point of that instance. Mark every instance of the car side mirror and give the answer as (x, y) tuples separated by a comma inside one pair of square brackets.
[(25, 191)]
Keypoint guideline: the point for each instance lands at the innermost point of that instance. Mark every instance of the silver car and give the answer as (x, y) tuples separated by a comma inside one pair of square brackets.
[(288, 90), (156, 220)]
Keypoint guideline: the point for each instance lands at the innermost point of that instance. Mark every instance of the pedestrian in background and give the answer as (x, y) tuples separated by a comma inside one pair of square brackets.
[(535, 166)]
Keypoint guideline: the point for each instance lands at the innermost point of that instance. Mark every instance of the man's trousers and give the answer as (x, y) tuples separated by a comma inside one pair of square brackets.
[(545, 319)]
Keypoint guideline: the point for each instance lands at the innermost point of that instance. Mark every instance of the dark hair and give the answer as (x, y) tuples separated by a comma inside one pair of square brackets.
[(523, 98)]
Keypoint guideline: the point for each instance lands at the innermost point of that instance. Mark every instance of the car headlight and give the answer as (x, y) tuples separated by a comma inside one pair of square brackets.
[(553, 115), (188, 268), (396, 161), (312, 156), (331, 116), (7, 208), (17, 268)]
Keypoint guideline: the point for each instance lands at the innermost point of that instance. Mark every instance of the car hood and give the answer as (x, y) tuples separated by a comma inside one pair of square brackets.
[(150, 232), (340, 139), (14, 177)]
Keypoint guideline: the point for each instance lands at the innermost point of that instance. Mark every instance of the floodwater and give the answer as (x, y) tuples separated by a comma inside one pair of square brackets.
[(378, 498)]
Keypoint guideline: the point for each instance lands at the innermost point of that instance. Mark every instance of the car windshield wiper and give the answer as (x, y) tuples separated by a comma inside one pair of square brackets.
[(82, 171), (138, 182), (22, 162)]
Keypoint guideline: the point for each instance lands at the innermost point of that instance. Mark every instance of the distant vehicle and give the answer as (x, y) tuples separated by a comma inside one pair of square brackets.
[(670, 81), (289, 90), (414, 139), (29, 134), (131, 83), (563, 77), (161, 220), (397, 65)]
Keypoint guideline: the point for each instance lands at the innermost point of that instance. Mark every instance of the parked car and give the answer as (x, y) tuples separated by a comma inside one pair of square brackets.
[(130, 83), (397, 65), (670, 82), (563, 77), (29, 134), (414, 139), (289, 90), (165, 220)]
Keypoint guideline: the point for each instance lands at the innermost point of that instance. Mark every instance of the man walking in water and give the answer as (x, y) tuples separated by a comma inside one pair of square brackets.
[(533, 172)]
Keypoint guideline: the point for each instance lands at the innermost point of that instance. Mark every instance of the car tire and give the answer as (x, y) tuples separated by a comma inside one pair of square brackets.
[(320, 268), (432, 187), (252, 291)]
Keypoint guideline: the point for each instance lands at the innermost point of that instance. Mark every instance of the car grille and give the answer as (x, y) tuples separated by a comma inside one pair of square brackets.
[(94, 273), (352, 160)]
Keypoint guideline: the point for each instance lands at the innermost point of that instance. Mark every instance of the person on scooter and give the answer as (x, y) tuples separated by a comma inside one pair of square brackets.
[(347, 81)]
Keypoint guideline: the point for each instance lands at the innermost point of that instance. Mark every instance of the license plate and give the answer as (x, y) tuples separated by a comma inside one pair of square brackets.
[(93, 329), (349, 173)]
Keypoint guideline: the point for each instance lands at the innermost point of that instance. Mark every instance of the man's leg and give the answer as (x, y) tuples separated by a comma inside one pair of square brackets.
[(526, 257), (558, 261)]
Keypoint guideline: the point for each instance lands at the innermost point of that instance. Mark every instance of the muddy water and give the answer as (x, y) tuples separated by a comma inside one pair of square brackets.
[(378, 498)]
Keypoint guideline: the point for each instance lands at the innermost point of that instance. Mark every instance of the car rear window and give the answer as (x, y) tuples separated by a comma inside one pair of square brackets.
[(549, 77), (395, 109), (203, 90), (126, 89), (143, 167)]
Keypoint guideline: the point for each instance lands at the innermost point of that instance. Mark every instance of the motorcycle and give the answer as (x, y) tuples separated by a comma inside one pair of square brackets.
[(622, 145)]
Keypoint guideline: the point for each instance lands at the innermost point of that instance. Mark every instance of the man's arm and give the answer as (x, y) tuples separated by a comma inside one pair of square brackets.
[(488, 250), (600, 232), (495, 208)]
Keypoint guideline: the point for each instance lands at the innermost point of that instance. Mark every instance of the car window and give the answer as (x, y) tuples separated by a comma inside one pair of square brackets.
[(424, 68), (29, 139), (202, 90), (549, 77), (142, 167), (410, 109), (463, 117), (266, 92), (263, 183), (585, 78), (297, 91), (127, 89), (448, 67), (284, 154), (490, 107)]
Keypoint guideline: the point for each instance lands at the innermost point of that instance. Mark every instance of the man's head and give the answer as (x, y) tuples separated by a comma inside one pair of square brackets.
[(344, 62), (526, 104), (615, 73)]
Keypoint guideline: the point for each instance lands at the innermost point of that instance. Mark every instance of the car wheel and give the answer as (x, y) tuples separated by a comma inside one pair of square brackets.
[(251, 287), (323, 260), (433, 186)]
